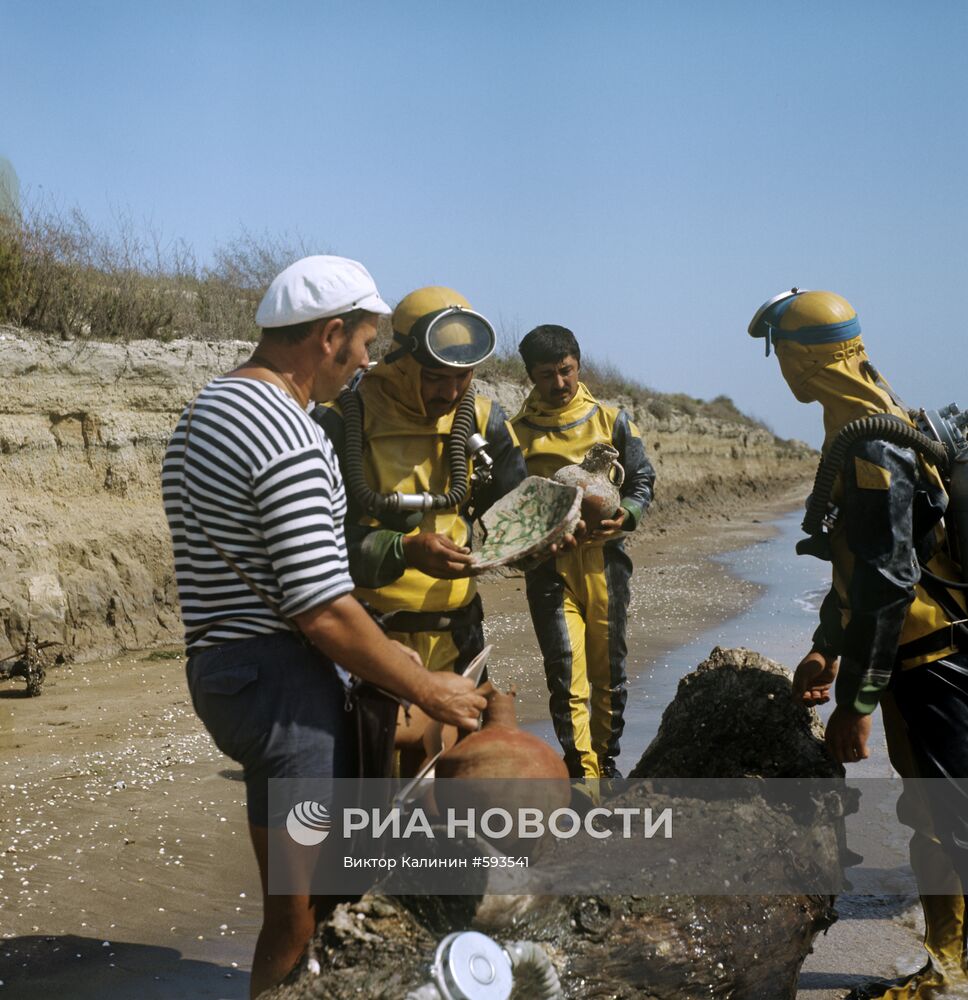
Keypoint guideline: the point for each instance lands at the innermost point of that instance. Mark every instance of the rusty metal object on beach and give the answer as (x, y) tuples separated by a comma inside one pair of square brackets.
[(31, 663)]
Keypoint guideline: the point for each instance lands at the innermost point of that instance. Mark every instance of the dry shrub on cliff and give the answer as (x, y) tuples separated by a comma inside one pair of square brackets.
[(609, 382), (606, 381), (60, 275)]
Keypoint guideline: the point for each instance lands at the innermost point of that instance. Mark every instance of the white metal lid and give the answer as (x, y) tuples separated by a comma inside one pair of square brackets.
[(471, 966)]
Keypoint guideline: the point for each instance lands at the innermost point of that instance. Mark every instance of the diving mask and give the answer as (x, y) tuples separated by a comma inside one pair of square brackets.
[(454, 337), (768, 315)]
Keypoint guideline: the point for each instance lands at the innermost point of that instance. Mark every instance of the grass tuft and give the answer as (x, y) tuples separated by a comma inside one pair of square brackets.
[(59, 275)]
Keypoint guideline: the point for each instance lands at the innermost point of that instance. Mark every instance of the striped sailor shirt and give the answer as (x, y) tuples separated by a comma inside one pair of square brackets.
[(263, 480)]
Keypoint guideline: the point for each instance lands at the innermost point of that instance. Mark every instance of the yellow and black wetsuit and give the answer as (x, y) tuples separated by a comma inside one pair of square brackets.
[(405, 450), (899, 647), (579, 600), (898, 642)]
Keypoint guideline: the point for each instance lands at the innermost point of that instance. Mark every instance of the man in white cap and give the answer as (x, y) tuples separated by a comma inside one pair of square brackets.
[(255, 504)]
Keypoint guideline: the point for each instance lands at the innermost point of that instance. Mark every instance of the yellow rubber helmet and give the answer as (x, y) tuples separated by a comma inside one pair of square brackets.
[(806, 317), (440, 329)]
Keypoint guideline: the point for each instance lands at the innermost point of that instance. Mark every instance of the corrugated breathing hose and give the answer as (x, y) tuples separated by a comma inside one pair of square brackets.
[(380, 505), (885, 427), (888, 427), (529, 953)]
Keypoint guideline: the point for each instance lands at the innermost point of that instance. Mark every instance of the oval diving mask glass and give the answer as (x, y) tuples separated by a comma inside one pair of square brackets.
[(449, 338)]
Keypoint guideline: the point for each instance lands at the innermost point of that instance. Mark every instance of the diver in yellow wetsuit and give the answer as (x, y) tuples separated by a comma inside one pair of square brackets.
[(579, 599), (410, 558), (888, 633)]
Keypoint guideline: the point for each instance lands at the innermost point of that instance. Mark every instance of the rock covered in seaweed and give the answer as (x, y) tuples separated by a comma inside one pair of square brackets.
[(733, 717), (620, 947)]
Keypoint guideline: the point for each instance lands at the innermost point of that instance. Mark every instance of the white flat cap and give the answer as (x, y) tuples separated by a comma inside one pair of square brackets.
[(317, 287)]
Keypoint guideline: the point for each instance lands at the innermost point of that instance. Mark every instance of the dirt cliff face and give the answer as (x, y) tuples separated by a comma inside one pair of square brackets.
[(84, 548)]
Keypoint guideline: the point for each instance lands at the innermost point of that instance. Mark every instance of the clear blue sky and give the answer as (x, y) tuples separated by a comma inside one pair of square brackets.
[(645, 173)]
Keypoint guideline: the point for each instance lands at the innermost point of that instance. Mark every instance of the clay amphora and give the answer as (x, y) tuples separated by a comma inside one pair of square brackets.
[(499, 750), (600, 475)]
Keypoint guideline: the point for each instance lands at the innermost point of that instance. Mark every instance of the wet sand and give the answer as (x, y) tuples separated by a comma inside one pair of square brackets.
[(124, 854), (125, 868)]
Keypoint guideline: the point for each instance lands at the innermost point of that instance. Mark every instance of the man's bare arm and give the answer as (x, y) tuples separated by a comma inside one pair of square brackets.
[(343, 630)]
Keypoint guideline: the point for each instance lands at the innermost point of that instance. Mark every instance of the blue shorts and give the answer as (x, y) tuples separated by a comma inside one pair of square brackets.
[(274, 705)]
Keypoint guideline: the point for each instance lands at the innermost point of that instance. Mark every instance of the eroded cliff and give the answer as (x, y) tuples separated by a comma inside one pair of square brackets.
[(84, 550)]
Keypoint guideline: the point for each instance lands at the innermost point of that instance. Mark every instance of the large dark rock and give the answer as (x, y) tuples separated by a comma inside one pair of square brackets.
[(733, 717)]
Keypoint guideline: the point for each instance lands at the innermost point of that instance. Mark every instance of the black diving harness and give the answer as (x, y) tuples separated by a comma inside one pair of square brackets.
[(938, 436)]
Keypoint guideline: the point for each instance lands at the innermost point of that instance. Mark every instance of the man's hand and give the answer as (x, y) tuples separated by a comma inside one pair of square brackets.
[(813, 677), (437, 556), (847, 735), (451, 699), (343, 631), (569, 541), (610, 527)]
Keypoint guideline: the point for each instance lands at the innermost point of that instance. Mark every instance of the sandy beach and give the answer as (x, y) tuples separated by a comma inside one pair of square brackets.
[(126, 870)]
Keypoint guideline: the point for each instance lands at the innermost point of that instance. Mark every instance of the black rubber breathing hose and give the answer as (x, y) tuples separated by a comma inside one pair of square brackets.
[(379, 505), (885, 427)]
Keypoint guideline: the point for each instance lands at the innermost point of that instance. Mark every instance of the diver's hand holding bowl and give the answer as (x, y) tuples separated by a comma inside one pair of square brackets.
[(437, 556), (571, 540)]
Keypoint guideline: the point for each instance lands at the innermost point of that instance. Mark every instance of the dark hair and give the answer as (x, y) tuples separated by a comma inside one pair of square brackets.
[(296, 333), (548, 344)]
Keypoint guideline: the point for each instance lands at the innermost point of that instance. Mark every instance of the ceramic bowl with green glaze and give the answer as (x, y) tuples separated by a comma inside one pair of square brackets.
[(525, 523)]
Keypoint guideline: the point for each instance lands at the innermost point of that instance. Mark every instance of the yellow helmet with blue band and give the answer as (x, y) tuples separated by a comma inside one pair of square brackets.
[(805, 317)]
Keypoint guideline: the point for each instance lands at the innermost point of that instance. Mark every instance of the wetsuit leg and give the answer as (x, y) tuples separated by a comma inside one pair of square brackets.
[(443, 650), (933, 701), (944, 914), (558, 618), (468, 642), (438, 651), (608, 571)]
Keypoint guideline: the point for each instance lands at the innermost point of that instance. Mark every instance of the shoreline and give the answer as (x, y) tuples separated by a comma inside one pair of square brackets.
[(149, 888), (679, 590)]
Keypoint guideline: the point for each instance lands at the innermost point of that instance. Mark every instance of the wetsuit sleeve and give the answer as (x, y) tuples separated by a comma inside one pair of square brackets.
[(331, 421), (879, 483), (508, 469), (639, 486), (829, 635), (375, 554)]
